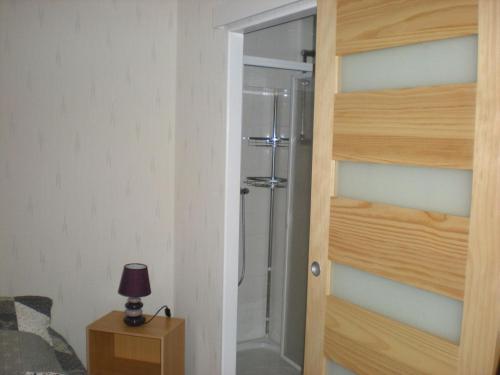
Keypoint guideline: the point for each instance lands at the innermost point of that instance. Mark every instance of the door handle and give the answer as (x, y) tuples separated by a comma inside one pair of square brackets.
[(315, 269)]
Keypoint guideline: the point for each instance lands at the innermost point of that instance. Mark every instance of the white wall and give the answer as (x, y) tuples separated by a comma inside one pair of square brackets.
[(87, 110), (200, 183)]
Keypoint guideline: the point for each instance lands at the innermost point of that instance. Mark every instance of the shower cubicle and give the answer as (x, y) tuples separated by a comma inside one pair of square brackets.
[(274, 223)]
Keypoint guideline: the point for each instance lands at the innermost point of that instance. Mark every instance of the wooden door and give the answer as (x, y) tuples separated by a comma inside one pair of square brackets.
[(448, 126)]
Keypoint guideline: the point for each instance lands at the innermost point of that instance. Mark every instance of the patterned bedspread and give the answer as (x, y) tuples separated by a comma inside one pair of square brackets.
[(24, 353), (66, 356), (27, 342)]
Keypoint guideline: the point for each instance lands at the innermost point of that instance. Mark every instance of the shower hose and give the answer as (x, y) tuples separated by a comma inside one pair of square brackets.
[(243, 192)]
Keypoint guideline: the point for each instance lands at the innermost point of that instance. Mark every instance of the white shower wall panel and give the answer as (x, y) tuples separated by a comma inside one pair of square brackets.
[(256, 161), (252, 309)]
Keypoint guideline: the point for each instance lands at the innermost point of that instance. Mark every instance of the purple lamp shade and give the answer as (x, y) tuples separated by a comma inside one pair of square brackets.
[(135, 281)]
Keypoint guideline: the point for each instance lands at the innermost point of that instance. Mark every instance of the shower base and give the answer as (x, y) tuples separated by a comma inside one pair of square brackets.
[(262, 357), (260, 343)]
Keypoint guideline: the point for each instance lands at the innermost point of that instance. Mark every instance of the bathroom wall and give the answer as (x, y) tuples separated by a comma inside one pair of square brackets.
[(87, 110), (283, 42)]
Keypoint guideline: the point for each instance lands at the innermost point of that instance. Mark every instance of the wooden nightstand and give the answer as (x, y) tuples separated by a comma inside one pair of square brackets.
[(113, 348)]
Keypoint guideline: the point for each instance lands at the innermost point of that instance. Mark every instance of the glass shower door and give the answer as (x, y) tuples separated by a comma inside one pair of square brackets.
[(298, 213)]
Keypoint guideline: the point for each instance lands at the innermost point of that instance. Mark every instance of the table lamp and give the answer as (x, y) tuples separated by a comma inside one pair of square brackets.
[(134, 285)]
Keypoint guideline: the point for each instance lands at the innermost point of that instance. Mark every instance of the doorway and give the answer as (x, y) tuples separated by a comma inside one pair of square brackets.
[(275, 180)]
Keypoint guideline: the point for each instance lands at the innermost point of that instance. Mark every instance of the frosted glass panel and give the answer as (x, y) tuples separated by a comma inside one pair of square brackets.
[(427, 311), (336, 369), (425, 64), (433, 189)]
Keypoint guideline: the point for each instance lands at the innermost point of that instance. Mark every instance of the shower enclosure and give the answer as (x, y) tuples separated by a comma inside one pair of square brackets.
[(274, 227)]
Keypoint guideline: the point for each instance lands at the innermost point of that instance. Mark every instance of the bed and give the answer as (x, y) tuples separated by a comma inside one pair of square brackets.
[(28, 345)]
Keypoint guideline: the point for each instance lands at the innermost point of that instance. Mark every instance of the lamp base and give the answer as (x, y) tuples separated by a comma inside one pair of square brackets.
[(133, 313), (134, 321)]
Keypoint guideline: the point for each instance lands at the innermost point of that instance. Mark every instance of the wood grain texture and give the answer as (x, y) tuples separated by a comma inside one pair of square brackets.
[(173, 349), (365, 25), (321, 185), (370, 344), (480, 324), (157, 328), (333, 178), (425, 249), (137, 348), (428, 126), (114, 348), (102, 359)]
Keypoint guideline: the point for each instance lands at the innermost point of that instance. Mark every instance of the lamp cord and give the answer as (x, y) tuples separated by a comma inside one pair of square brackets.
[(167, 313)]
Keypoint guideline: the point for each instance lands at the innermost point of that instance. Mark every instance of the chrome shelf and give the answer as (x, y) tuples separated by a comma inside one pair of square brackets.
[(266, 182), (268, 141), (264, 91)]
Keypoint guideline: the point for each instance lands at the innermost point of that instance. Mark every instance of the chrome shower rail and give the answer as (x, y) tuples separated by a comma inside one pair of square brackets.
[(271, 182)]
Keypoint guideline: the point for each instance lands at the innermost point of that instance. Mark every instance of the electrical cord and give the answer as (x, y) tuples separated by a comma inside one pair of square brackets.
[(168, 313)]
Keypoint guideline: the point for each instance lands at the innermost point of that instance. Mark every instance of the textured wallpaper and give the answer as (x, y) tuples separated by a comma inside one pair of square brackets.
[(87, 112), (199, 180)]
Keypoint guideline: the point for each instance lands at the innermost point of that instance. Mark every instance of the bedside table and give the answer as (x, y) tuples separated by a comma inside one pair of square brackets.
[(157, 348)]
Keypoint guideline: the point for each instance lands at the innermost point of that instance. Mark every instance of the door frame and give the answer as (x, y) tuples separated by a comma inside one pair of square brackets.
[(236, 19)]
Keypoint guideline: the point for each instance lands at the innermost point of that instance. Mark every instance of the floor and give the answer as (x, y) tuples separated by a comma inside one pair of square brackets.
[(263, 361)]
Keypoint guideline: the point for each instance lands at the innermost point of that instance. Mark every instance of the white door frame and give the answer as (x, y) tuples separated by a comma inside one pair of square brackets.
[(237, 18)]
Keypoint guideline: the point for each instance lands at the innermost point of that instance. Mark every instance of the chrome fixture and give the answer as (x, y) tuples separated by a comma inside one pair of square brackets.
[(271, 182), (243, 192)]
